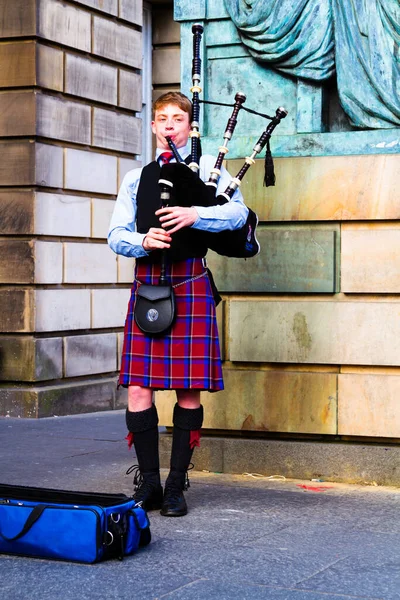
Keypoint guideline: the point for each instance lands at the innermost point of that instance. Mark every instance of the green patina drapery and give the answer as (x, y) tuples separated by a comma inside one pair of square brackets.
[(311, 39)]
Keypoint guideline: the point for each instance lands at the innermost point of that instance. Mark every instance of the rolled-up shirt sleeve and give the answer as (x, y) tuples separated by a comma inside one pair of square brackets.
[(231, 215), (122, 235)]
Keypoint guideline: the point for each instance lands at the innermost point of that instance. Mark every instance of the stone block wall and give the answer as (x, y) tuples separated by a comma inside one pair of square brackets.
[(70, 93), (310, 327), (166, 50)]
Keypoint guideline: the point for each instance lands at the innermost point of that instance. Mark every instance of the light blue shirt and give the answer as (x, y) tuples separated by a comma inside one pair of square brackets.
[(122, 235)]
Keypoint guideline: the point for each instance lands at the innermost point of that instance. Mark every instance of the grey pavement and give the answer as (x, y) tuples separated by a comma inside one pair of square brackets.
[(244, 536)]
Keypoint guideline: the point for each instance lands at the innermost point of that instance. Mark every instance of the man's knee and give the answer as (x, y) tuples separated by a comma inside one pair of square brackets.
[(139, 398), (188, 398)]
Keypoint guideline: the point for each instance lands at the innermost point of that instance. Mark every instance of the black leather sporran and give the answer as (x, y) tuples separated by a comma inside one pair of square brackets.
[(154, 309)]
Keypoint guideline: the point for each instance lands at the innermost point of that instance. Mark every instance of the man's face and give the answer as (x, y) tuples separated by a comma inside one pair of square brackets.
[(172, 121)]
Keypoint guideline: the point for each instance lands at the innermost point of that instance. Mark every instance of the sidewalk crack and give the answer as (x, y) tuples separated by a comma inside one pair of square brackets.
[(321, 570), (181, 587)]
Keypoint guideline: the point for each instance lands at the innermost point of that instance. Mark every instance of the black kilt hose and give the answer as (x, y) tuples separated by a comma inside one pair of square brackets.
[(188, 357)]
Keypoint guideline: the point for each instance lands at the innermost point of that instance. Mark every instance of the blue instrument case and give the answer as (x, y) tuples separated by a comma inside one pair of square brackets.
[(67, 525)]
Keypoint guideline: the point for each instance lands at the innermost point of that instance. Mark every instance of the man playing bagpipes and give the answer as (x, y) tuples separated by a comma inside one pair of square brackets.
[(185, 358)]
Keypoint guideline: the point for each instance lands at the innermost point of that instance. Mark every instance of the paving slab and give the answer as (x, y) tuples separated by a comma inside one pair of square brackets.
[(244, 537)]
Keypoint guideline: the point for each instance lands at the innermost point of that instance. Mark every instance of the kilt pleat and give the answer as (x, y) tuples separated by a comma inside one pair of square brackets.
[(188, 357)]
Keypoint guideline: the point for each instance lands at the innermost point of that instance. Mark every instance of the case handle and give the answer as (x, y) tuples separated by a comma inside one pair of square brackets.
[(31, 520)]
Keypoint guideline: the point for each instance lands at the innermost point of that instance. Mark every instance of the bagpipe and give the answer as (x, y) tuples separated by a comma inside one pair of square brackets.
[(190, 190)]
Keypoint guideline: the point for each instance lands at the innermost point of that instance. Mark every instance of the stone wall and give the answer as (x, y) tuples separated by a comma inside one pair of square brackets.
[(310, 328), (71, 88), (166, 50)]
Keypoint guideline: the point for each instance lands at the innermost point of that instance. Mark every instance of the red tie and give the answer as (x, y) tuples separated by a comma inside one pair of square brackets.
[(166, 157)]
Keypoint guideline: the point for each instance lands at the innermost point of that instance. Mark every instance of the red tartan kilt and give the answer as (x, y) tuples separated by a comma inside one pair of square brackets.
[(188, 357)]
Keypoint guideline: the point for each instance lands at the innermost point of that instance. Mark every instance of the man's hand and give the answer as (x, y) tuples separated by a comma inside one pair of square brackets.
[(156, 239), (177, 217)]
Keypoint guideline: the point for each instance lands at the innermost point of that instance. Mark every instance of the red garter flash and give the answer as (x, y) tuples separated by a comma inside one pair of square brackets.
[(194, 439), (129, 439)]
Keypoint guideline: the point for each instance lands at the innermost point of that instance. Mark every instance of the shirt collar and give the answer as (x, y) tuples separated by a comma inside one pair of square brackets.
[(184, 151)]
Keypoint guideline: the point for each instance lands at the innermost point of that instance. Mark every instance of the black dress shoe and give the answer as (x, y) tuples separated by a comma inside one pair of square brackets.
[(151, 497), (174, 504), (147, 489)]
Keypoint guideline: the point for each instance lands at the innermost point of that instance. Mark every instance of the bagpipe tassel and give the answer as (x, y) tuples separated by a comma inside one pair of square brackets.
[(269, 173)]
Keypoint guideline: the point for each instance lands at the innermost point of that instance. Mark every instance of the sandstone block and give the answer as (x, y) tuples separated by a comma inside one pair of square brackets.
[(62, 309), (18, 402), (90, 79), (61, 214), (370, 259), (27, 163), (17, 59), (351, 463), (339, 333), (48, 262), (23, 261), (101, 216), (130, 90), (338, 188), (25, 358), (116, 131), (49, 165), (125, 165), (120, 346), (107, 6), (117, 42), (17, 165), (17, 310), (50, 68), (16, 212), (290, 260), (64, 24), (109, 307), (90, 171), (131, 11), (369, 405), (121, 398), (26, 113), (83, 397), (63, 120), (18, 18), (166, 66), (221, 312), (165, 29), (125, 269), (17, 114), (28, 63), (58, 400), (16, 261), (254, 400), (89, 263), (90, 354), (48, 358)]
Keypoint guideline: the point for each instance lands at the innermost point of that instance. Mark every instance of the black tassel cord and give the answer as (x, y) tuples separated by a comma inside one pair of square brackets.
[(269, 172)]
